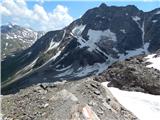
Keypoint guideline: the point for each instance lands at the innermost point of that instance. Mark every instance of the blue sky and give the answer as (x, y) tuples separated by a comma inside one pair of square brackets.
[(52, 15), (78, 8)]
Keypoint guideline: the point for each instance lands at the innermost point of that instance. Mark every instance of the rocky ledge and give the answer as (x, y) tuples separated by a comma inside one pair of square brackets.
[(75, 100), (133, 75)]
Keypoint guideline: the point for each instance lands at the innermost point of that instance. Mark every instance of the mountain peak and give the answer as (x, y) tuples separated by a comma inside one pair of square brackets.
[(103, 5), (11, 24), (132, 7)]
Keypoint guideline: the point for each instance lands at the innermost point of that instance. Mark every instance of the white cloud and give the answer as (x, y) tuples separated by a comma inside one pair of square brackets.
[(37, 17), (40, 13), (4, 11)]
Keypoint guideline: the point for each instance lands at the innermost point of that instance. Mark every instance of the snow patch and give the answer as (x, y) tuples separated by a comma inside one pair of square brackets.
[(58, 66), (136, 18), (53, 45), (63, 56), (144, 106), (8, 36), (15, 36), (12, 55), (29, 53), (158, 12), (31, 65), (145, 47), (155, 61), (123, 31), (10, 26), (6, 44), (28, 29), (94, 37), (154, 21), (143, 32), (64, 68), (67, 72), (78, 30), (84, 71), (97, 68), (132, 53), (115, 49)]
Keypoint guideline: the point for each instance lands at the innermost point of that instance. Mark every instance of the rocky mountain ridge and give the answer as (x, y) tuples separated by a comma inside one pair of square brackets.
[(87, 46), (140, 73), (103, 43), (15, 38), (88, 98), (78, 100)]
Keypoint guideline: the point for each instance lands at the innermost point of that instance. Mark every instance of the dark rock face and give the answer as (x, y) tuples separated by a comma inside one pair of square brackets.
[(131, 20), (133, 75), (115, 19), (153, 29), (102, 35), (129, 25), (84, 99)]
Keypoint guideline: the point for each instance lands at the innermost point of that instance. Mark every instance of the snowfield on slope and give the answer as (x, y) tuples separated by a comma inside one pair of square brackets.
[(144, 106), (95, 37), (132, 53), (155, 61), (83, 71)]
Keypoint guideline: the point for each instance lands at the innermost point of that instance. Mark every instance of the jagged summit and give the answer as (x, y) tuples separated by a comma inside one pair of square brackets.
[(11, 24), (132, 7), (103, 5)]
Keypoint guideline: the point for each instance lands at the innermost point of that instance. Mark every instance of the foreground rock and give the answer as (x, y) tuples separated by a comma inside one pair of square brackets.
[(84, 99), (133, 75)]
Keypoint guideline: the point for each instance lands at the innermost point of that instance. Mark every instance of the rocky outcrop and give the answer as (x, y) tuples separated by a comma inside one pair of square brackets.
[(74, 100), (133, 75)]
